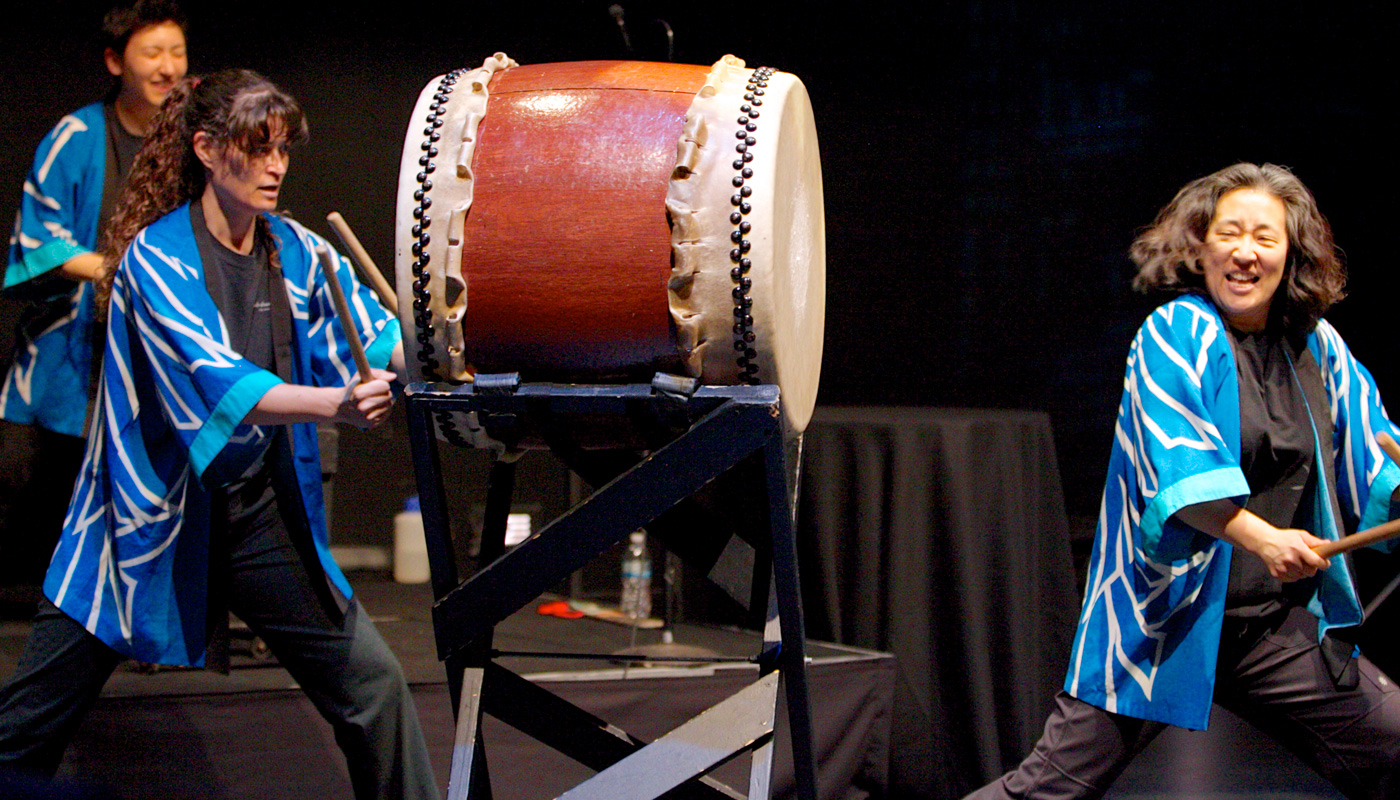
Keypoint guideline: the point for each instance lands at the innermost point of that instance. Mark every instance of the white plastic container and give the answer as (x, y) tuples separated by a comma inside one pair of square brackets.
[(410, 545)]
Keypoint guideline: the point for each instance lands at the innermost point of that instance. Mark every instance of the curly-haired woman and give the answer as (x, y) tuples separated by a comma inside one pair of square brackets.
[(1246, 436), (200, 487)]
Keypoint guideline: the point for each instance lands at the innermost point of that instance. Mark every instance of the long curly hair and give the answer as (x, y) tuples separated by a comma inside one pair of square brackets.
[(238, 109), (1167, 252)]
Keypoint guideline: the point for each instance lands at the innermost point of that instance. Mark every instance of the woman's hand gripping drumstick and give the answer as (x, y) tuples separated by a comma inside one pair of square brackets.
[(368, 271), (1380, 533), (368, 401)]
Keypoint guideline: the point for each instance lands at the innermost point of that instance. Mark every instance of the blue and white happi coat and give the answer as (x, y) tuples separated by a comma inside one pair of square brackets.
[(132, 563), (47, 385), (1149, 630)]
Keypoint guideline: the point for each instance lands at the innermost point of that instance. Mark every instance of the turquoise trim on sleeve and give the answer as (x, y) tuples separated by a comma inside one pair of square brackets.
[(15, 274), (1378, 504), (382, 348), (1218, 484), (232, 408), (41, 260)]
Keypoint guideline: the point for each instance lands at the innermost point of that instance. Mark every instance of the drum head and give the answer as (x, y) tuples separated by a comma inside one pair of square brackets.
[(748, 285)]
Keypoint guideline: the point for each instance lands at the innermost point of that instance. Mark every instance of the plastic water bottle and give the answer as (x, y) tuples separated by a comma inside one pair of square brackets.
[(636, 578)]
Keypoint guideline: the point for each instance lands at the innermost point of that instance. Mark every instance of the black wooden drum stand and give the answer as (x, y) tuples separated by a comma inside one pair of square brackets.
[(692, 437)]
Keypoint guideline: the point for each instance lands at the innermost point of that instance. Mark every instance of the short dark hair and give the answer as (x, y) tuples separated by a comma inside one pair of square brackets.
[(1314, 276), (125, 20)]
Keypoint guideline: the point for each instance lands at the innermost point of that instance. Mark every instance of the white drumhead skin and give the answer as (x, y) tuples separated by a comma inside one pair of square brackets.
[(787, 239), (403, 227), (797, 253), (451, 197)]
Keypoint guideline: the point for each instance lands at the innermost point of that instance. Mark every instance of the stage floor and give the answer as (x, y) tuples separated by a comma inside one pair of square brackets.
[(1230, 761), (252, 734)]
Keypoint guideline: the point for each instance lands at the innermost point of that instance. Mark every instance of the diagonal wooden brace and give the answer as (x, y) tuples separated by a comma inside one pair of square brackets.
[(741, 722), (717, 442), (568, 729)]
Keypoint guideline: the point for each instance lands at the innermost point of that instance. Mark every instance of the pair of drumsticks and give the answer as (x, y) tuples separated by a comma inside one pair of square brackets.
[(368, 272)]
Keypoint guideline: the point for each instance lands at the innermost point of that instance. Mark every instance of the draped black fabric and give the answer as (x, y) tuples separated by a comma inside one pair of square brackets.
[(940, 535)]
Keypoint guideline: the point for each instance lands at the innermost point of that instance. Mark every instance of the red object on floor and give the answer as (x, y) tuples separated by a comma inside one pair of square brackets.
[(559, 608)]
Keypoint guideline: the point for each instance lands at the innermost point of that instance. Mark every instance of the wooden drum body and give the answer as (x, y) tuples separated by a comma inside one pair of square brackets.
[(601, 221)]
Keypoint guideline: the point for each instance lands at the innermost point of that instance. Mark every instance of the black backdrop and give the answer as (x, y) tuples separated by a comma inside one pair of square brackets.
[(986, 162)]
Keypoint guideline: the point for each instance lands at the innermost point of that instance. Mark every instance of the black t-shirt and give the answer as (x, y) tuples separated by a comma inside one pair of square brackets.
[(122, 147), (240, 286), (242, 293), (125, 144), (1277, 454)]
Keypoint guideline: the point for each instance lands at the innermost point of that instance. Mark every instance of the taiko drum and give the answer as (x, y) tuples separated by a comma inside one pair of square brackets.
[(601, 221)]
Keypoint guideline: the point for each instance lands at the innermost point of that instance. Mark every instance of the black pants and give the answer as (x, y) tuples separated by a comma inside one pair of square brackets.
[(344, 666), (1272, 673), (43, 466)]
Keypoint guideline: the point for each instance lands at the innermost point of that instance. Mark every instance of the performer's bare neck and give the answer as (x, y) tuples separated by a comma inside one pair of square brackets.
[(135, 114), (231, 227)]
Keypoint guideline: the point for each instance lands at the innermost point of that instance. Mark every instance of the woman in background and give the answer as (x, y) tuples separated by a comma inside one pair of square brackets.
[(68, 198)]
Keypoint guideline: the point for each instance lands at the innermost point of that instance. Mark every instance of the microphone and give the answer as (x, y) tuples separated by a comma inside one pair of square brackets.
[(616, 11), (670, 40)]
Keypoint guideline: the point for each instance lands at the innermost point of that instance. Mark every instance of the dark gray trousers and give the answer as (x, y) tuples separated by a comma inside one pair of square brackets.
[(1272, 673)]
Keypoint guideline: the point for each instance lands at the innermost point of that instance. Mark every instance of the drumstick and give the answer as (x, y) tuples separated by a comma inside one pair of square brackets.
[(1380, 533), (342, 310), (368, 271)]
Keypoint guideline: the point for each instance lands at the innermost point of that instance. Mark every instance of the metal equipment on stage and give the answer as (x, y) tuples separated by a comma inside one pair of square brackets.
[(700, 436), (605, 223)]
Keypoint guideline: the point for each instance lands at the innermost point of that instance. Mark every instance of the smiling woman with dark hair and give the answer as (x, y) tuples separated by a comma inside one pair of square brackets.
[(1168, 253), (200, 491), (67, 200), (1246, 437)]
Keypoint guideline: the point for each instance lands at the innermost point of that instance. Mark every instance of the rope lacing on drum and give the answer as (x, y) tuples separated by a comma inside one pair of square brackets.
[(422, 312), (744, 337)]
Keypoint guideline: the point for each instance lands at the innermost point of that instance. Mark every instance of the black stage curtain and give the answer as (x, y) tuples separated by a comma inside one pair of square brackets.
[(940, 535)]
